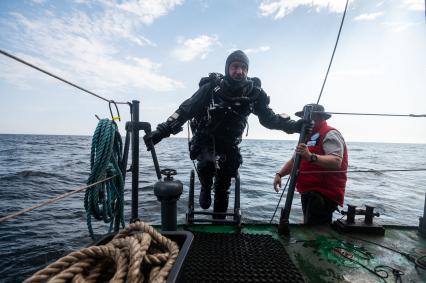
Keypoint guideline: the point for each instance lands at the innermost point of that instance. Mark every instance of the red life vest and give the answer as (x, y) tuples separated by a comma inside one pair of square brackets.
[(330, 185)]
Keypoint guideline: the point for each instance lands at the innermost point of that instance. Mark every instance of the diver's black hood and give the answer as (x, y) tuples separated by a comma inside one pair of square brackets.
[(239, 56)]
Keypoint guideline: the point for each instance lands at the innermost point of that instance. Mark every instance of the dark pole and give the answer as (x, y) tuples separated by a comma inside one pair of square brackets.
[(155, 160), (283, 226), (135, 159)]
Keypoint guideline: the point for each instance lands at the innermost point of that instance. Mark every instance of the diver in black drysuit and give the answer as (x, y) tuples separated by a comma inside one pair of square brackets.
[(218, 113)]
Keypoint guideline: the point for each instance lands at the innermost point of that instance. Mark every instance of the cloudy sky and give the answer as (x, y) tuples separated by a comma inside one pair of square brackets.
[(156, 52)]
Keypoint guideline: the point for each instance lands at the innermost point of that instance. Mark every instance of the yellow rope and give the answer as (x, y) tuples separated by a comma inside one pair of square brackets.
[(136, 254)]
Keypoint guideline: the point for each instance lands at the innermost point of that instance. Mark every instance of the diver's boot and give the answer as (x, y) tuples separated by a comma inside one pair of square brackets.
[(221, 200), (205, 199)]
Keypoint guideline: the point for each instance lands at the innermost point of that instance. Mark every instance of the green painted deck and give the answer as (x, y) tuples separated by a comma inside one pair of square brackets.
[(324, 255)]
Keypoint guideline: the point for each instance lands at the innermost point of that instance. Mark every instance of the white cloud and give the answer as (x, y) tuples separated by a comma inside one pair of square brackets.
[(198, 47), (87, 47), (281, 8), (356, 73), (368, 17), (146, 10), (109, 24), (81, 1), (257, 50), (39, 1), (400, 26), (146, 63), (415, 5), (380, 3)]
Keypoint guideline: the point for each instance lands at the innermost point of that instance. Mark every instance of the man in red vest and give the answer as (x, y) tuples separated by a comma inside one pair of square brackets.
[(322, 174)]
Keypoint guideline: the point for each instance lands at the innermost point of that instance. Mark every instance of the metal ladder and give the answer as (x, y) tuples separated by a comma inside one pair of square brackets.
[(191, 213)]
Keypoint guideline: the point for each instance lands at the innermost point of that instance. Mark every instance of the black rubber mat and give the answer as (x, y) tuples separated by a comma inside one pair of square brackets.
[(215, 257)]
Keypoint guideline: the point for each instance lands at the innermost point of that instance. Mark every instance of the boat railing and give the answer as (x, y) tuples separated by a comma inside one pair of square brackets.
[(132, 139)]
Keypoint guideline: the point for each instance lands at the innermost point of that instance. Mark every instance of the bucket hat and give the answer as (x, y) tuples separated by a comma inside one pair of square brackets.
[(318, 109)]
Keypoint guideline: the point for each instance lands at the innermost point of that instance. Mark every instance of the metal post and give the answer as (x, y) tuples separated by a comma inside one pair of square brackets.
[(168, 192), (169, 215), (155, 160), (135, 160), (237, 199), (123, 165), (422, 220), (424, 213), (283, 226)]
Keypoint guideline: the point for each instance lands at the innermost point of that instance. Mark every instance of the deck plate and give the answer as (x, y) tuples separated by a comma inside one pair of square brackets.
[(239, 257)]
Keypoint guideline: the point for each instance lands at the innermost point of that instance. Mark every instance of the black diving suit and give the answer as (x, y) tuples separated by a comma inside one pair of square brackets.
[(218, 113)]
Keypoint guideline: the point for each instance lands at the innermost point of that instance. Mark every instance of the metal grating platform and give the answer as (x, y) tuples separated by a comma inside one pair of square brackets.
[(220, 257)]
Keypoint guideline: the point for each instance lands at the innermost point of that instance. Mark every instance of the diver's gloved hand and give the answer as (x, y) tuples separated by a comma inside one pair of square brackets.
[(299, 124), (156, 136)]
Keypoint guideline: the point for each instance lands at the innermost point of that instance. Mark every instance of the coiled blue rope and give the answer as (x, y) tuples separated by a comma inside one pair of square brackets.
[(106, 200)]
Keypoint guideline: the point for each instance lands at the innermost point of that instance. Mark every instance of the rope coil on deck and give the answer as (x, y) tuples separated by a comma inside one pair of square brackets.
[(136, 254)]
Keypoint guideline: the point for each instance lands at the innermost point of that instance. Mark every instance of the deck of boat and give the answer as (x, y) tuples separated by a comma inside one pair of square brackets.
[(256, 253)]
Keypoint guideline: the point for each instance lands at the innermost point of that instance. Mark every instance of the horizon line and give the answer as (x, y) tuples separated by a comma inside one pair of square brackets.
[(260, 139)]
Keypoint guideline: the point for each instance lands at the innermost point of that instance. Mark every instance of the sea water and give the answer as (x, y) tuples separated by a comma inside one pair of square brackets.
[(35, 168)]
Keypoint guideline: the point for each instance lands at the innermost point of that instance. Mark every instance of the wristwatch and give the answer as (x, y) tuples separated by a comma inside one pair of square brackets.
[(313, 158)]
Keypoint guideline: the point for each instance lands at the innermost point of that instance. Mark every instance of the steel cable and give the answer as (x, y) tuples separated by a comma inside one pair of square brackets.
[(377, 114), (279, 201), (334, 51), (362, 171), (13, 215), (57, 77)]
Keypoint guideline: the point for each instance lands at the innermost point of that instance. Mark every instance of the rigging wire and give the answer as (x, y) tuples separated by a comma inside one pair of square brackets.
[(58, 78), (279, 201), (189, 150), (334, 50), (193, 161), (13, 215), (363, 171), (375, 114)]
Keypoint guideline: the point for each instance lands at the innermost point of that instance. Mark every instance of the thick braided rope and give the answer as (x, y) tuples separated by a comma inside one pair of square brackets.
[(105, 201), (123, 259), (62, 266), (158, 274)]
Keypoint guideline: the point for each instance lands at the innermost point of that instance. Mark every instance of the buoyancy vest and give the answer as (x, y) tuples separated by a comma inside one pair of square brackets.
[(330, 185), (226, 114)]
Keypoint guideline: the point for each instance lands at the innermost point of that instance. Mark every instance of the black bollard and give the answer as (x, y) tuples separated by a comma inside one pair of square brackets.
[(168, 191), (351, 214), (369, 214)]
